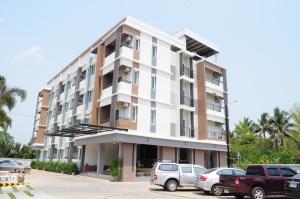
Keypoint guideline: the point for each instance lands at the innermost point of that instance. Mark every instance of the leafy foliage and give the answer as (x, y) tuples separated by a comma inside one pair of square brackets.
[(116, 170), (272, 140), (67, 168), (8, 100)]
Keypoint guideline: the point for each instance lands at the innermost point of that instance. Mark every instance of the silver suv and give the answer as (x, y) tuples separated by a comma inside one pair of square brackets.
[(172, 175)]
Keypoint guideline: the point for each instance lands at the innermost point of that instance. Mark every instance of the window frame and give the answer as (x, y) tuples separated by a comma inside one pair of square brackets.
[(153, 83), (154, 51), (272, 168), (136, 75), (153, 117), (134, 112)]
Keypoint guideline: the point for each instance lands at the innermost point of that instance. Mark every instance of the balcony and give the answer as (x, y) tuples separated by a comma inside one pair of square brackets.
[(188, 101), (214, 85), (215, 135), (187, 132), (186, 71), (214, 107), (125, 51)]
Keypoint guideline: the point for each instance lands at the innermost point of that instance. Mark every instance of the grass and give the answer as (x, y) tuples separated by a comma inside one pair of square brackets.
[(15, 189), (29, 187), (11, 195), (28, 193)]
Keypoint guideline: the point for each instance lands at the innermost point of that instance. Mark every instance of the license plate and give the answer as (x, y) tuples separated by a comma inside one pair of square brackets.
[(293, 185), (226, 191)]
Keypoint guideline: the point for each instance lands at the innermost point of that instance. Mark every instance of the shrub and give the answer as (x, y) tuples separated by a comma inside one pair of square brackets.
[(68, 168), (116, 170)]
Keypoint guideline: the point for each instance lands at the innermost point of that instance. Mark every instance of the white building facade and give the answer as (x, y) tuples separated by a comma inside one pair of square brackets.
[(162, 95)]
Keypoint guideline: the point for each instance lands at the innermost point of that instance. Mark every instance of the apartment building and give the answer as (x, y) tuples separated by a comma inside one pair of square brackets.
[(139, 94)]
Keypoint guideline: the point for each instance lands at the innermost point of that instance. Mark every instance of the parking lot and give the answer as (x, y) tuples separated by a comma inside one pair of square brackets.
[(48, 185)]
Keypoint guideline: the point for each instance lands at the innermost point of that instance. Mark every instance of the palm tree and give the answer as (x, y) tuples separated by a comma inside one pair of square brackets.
[(281, 128), (8, 97), (264, 125)]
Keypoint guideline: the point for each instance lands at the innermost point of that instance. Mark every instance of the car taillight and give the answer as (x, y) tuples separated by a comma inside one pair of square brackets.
[(155, 177), (202, 178), (237, 181)]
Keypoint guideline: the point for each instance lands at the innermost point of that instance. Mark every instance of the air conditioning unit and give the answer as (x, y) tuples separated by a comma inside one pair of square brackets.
[(128, 39), (126, 70), (217, 99)]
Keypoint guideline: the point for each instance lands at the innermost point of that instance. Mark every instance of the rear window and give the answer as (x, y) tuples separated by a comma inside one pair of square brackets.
[(168, 167), (226, 172), (286, 172), (239, 172), (199, 170), (209, 171), (255, 171)]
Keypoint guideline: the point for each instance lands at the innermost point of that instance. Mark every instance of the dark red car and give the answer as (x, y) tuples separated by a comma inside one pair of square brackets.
[(259, 181)]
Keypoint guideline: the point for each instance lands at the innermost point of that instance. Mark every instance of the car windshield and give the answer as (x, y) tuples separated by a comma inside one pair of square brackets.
[(209, 171)]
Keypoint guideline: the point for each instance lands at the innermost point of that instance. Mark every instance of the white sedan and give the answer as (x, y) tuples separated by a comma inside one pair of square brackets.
[(209, 180)]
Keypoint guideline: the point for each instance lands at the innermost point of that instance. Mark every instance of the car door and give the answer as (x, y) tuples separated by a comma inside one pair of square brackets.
[(187, 175), (274, 180)]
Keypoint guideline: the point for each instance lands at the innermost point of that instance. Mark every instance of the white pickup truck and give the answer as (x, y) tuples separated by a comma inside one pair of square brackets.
[(172, 175)]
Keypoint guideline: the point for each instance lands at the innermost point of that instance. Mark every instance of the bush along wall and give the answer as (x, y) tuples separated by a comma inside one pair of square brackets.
[(59, 167)]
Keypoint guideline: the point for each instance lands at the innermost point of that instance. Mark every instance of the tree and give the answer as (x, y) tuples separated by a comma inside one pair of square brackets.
[(6, 143), (8, 100), (264, 125), (281, 128)]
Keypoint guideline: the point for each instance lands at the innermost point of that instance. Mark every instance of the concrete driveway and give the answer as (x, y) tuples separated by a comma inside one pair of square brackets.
[(48, 185)]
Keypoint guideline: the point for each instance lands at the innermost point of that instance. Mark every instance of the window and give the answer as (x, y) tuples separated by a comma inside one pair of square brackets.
[(92, 69), (186, 169), (134, 110), (153, 83), (273, 172), (153, 117), (225, 172), (255, 171), (89, 96), (66, 106), (199, 170), (136, 44), (168, 167), (286, 172), (154, 51), (136, 77), (239, 173)]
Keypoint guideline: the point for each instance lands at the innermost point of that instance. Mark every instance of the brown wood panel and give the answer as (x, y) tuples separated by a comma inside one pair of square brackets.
[(202, 116), (98, 84)]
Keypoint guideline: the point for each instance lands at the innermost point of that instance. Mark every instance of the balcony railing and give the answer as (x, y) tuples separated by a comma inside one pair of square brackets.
[(122, 117), (214, 107), (187, 132), (216, 135), (213, 80), (186, 71), (187, 100)]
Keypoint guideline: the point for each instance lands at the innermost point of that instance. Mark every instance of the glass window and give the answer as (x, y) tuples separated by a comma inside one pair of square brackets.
[(273, 172), (134, 113), (286, 172), (153, 83), (255, 171), (225, 172), (153, 117), (137, 44), (199, 170), (209, 171), (239, 172), (168, 167), (186, 169), (136, 77), (154, 51)]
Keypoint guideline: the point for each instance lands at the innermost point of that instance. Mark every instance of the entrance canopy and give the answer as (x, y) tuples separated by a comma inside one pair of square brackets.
[(82, 129)]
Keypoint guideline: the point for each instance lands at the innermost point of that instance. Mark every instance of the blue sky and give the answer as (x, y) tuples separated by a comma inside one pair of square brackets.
[(259, 43)]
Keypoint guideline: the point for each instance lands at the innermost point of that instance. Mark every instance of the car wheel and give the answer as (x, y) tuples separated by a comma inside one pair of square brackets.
[(239, 196), (257, 193), (217, 190), (172, 185)]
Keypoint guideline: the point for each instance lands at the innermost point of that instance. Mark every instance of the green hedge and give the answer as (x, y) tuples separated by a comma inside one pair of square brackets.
[(67, 168)]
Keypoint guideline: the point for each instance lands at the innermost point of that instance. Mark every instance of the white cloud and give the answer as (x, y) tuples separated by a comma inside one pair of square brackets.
[(33, 53)]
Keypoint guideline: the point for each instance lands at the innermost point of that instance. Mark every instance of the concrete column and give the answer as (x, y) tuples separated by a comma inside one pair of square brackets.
[(199, 157), (223, 159), (128, 152), (158, 155), (177, 155), (82, 158), (100, 162)]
